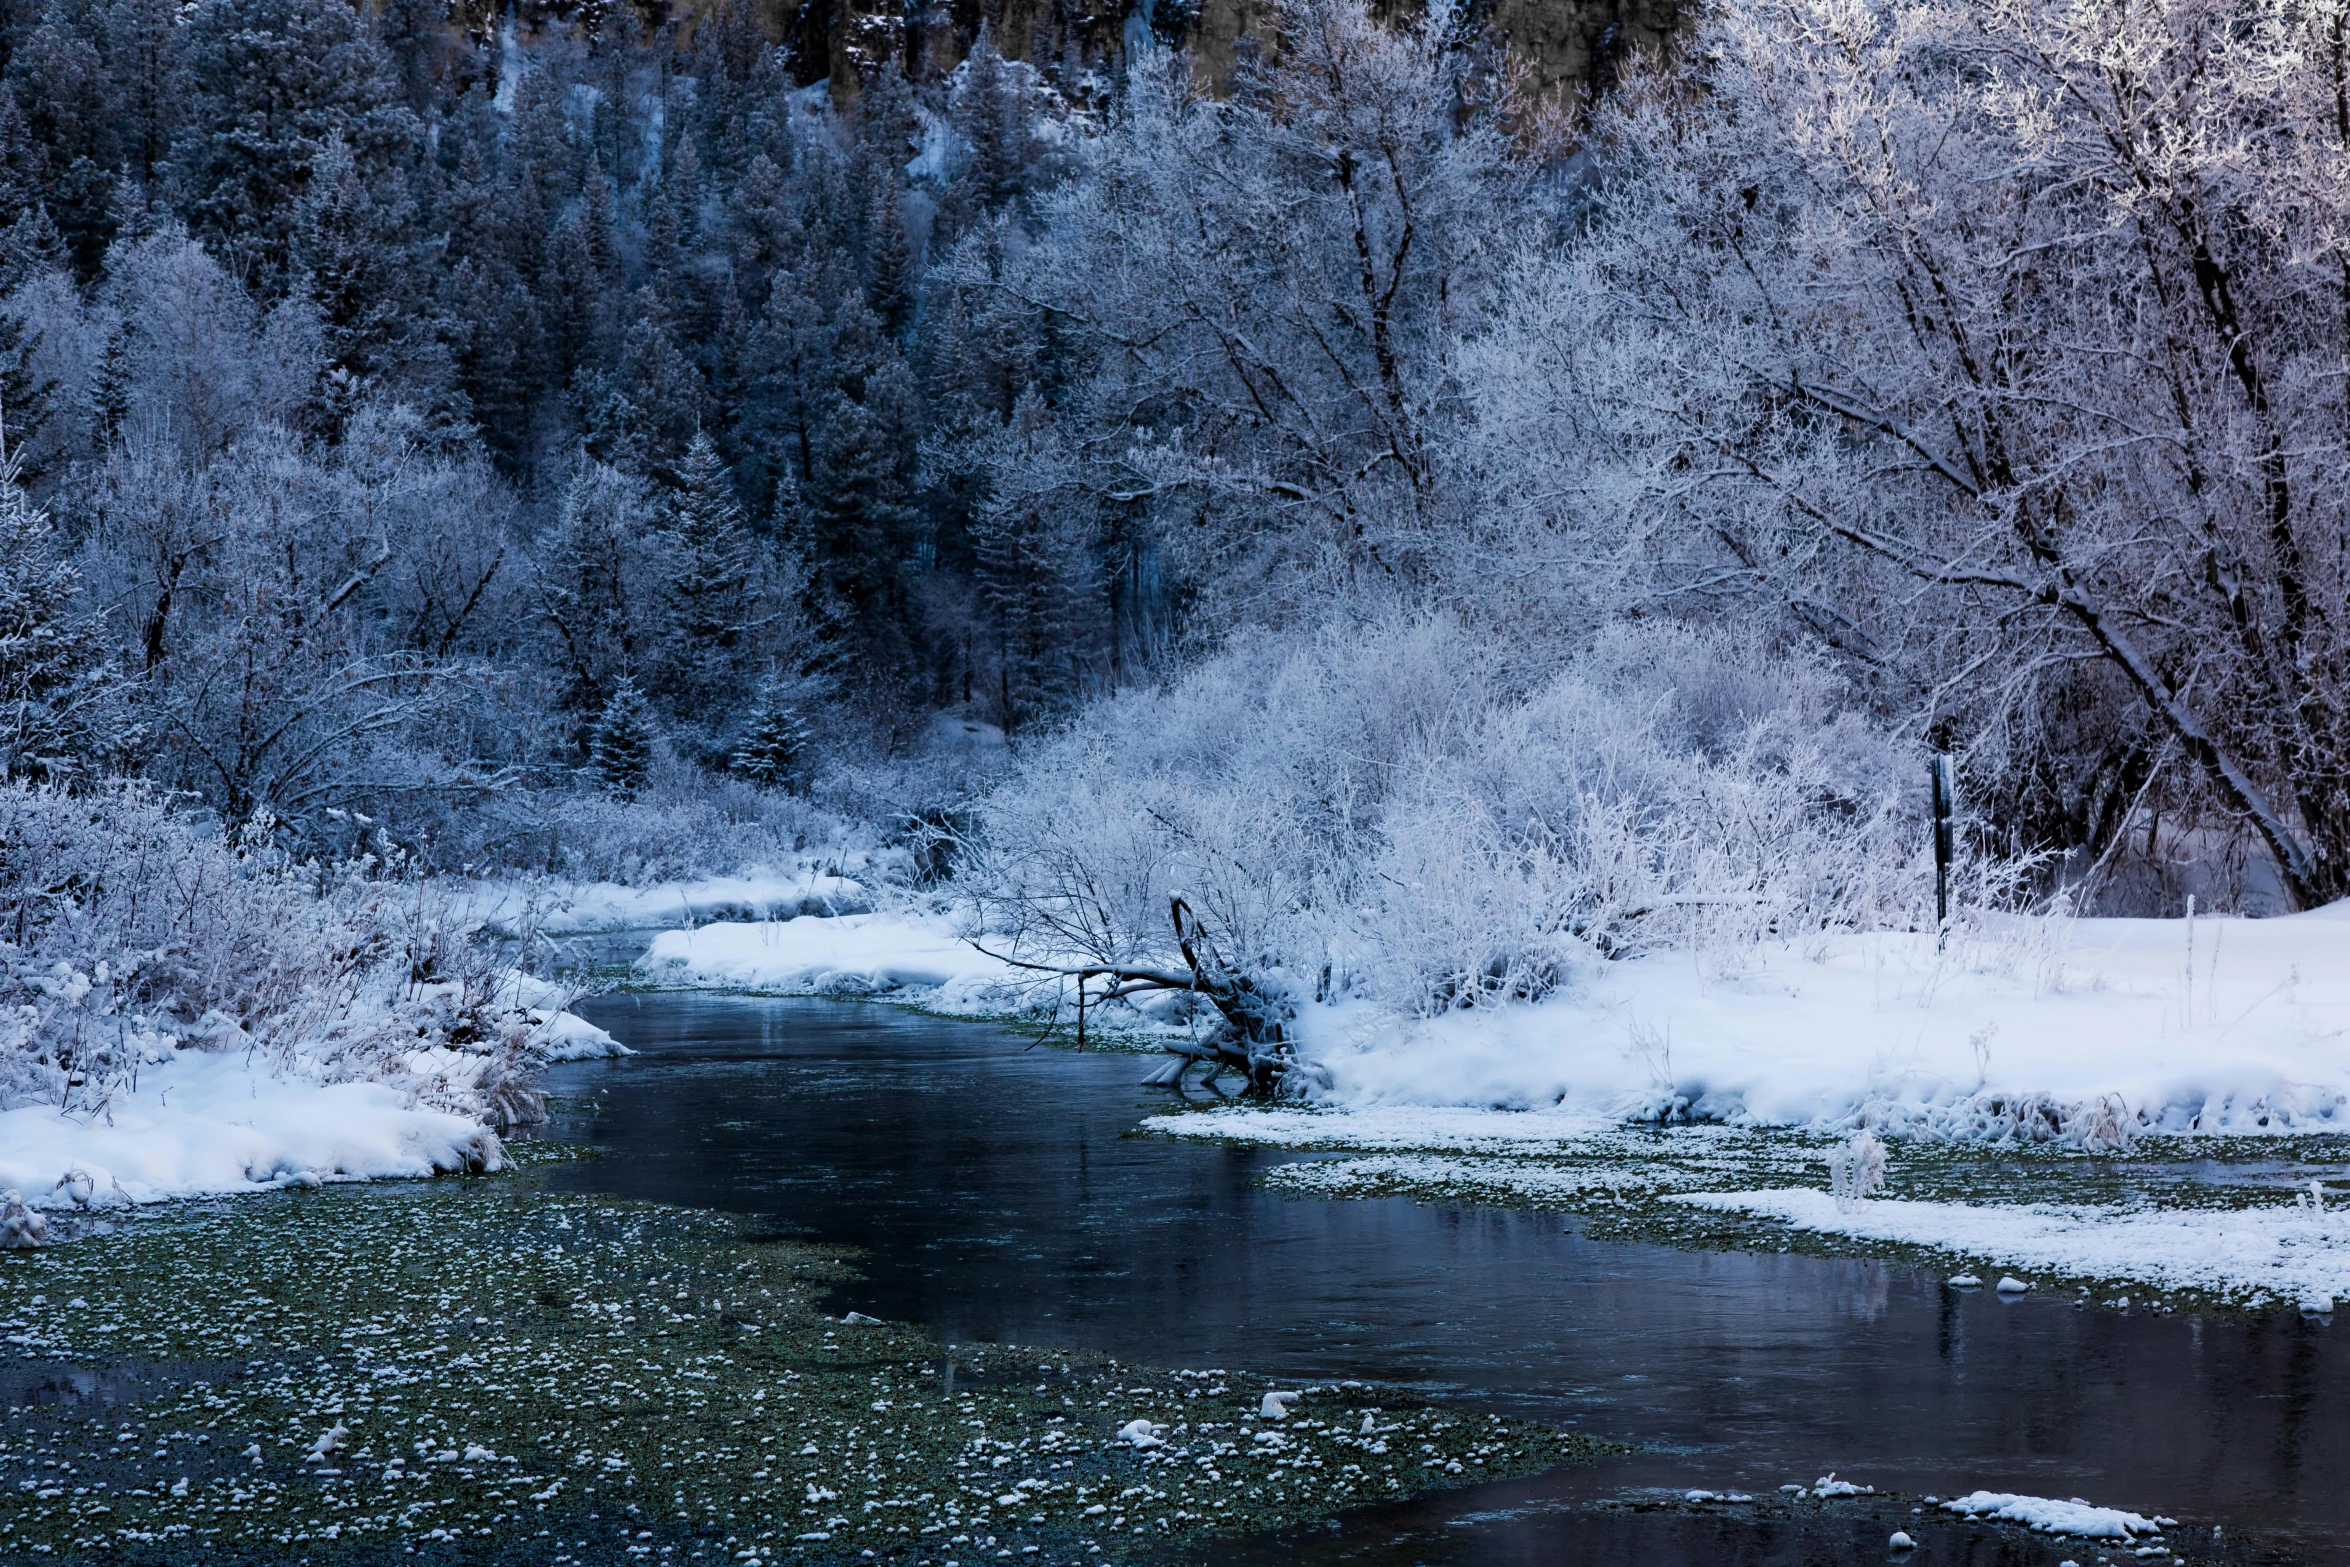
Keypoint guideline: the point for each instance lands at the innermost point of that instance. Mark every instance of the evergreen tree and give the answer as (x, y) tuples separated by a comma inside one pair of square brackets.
[(138, 41), (59, 82), (352, 253), (889, 261), (25, 394), (268, 85), (596, 575), (709, 554), (110, 388), (620, 747), (709, 601), (994, 121), (1031, 565), (774, 743), (58, 697)]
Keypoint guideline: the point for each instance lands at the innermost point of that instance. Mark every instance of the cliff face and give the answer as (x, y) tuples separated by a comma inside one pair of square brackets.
[(1568, 44)]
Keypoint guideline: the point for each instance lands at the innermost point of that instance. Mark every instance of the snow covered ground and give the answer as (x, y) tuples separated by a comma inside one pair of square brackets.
[(2297, 1253), (209, 1121), (904, 952), (2091, 1034), (2087, 1028)]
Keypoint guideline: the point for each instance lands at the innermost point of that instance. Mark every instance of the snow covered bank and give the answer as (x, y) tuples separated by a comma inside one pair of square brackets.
[(2297, 1254), (206, 1122), (854, 954), (567, 908), (199, 1121), (2087, 1031)]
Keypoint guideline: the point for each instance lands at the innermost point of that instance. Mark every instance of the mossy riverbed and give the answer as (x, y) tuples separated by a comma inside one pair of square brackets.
[(487, 1370)]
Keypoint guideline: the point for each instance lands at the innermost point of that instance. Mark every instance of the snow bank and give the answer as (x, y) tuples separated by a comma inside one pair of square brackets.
[(2075, 1517), (2087, 1030), (2298, 1254), (759, 894), (205, 1122), (854, 954)]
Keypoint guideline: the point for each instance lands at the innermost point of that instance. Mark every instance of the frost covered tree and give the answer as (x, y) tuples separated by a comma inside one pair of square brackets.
[(1268, 291), (708, 596), (60, 704), (620, 746), (265, 87), (773, 749), (1993, 345)]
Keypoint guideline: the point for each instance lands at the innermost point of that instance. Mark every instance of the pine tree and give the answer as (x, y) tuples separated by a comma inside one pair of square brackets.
[(139, 38), (889, 261), (58, 696), (709, 550), (351, 251), (708, 601), (1031, 569), (774, 740), (994, 121), (267, 85), (110, 388), (25, 393), (59, 80), (620, 747)]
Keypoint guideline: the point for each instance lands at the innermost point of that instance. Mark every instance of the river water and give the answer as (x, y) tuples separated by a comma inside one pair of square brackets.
[(999, 1194)]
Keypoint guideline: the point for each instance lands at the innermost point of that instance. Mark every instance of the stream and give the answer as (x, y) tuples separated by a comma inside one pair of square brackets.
[(1000, 1195)]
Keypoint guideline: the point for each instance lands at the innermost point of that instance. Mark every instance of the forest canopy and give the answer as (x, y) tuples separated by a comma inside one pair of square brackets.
[(608, 447)]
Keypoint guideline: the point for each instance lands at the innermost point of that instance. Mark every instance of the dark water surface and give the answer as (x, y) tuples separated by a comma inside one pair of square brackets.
[(999, 1197)]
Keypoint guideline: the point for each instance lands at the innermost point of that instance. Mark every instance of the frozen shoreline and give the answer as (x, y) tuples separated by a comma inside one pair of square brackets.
[(209, 1122), (2087, 1034)]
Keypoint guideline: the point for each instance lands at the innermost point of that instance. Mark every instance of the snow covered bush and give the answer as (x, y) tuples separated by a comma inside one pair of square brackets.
[(1395, 814), (130, 930)]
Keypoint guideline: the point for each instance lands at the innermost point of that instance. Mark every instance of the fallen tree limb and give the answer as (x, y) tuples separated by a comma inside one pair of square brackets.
[(1254, 1037)]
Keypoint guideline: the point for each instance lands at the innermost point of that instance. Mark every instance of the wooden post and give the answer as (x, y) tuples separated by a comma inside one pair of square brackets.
[(1945, 783)]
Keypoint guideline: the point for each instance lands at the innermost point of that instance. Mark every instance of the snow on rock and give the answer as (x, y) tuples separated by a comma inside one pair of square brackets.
[(21, 1228), (2295, 1254), (207, 1122), (2075, 1517), (2085, 1031), (855, 954)]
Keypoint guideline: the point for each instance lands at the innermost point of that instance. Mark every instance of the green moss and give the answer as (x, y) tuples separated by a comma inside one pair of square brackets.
[(539, 1376)]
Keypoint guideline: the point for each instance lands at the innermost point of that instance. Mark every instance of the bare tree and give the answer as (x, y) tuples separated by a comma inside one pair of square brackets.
[(1989, 339)]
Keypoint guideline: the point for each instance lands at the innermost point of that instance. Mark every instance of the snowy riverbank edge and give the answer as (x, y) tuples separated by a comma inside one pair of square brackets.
[(2089, 1034), (217, 1122)]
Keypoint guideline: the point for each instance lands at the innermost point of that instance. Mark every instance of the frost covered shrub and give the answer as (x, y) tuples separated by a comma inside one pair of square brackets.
[(1392, 813), (130, 930), (682, 823)]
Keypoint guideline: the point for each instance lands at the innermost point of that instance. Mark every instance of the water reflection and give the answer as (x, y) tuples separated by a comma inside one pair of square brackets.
[(1000, 1197)]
